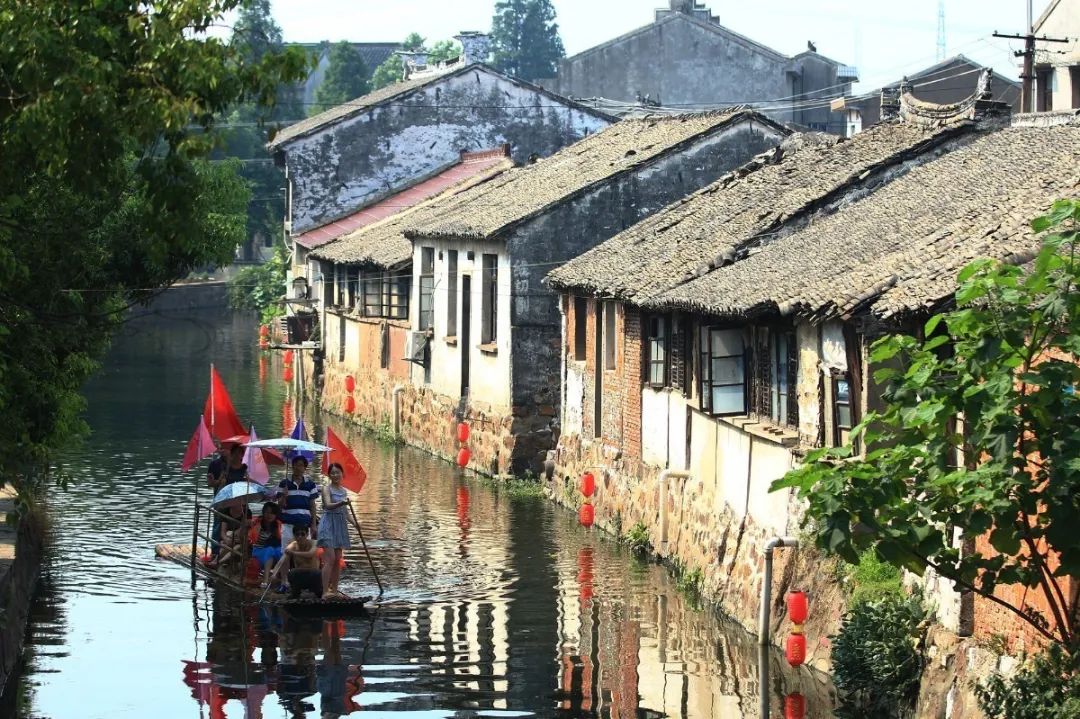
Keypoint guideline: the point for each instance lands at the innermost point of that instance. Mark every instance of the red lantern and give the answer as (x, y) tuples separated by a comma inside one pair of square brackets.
[(463, 457), (586, 515), (350, 404), (264, 330), (350, 384), (794, 706), (796, 649), (288, 358), (588, 484), (796, 606), (287, 374), (462, 432)]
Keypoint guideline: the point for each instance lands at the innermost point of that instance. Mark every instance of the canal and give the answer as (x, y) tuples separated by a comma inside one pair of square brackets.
[(496, 605)]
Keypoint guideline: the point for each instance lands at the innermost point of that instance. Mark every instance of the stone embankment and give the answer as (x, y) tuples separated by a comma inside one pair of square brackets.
[(21, 551)]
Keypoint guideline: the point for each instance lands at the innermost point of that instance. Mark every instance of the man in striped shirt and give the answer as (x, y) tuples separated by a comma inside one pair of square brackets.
[(296, 495)]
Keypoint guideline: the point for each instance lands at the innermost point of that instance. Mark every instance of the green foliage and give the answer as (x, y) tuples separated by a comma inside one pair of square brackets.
[(1005, 361), (874, 580), (390, 71), (104, 192), (261, 287), (444, 51), (346, 78), (1048, 688), (876, 658), (413, 42), (525, 39), (637, 538)]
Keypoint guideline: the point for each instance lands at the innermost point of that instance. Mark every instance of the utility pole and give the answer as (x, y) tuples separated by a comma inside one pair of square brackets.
[(1027, 77)]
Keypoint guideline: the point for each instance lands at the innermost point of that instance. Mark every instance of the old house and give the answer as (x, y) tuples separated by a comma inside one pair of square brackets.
[(486, 331), (1057, 65), (730, 370), (685, 59), (367, 293), (350, 157)]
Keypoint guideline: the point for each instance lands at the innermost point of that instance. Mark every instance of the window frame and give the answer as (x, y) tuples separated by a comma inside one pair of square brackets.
[(839, 428), (581, 328), (451, 293), (706, 385), (658, 348), (489, 298), (425, 315), (611, 328), (371, 294)]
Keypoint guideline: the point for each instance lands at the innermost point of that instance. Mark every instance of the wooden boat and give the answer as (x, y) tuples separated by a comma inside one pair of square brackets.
[(329, 606)]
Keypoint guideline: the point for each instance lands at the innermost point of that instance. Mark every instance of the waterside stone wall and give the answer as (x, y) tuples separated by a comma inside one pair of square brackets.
[(20, 560)]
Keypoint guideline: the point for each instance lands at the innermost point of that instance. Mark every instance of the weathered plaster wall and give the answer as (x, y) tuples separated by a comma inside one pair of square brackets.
[(376, 153)]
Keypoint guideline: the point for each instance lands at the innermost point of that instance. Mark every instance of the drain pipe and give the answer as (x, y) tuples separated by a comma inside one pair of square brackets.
[(763, 620), (398, 389), (663, 490)]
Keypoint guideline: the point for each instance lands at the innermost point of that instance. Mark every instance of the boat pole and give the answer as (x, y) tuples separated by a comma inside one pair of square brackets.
[(364, 545)]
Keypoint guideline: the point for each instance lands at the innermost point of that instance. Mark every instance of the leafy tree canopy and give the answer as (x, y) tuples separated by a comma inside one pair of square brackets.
[(107, 115), (525, 39), (346, 78), (980, 436), (444, 51)]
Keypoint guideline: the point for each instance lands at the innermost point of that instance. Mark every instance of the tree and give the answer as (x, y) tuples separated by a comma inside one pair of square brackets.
[(444, 51), (993, 383), (392, 68), (525, 39), (346, 78), (108, 112)]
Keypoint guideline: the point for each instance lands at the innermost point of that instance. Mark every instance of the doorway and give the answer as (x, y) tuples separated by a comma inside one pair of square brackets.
[(465, 333), (598, 368)]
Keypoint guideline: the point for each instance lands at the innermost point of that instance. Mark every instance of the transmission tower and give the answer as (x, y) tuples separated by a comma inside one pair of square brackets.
[(941, 30)]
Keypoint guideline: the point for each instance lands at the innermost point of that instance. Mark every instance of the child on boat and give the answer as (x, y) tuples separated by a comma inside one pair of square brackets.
[(265, 540), (305, 573)]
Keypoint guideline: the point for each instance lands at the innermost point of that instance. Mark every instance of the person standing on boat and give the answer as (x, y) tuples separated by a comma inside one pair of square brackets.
[(215, 479), (297, 498), (334, 528)]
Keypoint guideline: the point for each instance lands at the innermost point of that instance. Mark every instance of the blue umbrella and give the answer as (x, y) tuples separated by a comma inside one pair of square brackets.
[(239, 493)]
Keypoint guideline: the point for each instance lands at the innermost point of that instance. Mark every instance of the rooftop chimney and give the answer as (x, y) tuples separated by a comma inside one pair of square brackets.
[(475, 46)]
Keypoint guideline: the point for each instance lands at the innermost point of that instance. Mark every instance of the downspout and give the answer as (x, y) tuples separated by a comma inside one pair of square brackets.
[(663, 482), (763, 620), (398, 390)]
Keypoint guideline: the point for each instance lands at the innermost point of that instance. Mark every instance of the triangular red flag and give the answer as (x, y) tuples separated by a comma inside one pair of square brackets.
[(256, 463), (200, 446), (219, 413), (355, 476)]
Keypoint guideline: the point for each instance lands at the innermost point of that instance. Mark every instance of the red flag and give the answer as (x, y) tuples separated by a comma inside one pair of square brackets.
[(219, 412), (355, 476), (200, 445)]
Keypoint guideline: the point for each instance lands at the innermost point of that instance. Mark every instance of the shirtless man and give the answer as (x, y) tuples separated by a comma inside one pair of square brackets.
[(305, 573)]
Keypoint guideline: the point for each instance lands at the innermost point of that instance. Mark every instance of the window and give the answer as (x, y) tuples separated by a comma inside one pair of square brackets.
[(843, 414), (489, 307), (609, 335), (339, 286), (658, 351), (779, 379), (773, 376), (581, 320), (371, 289), (451, 293), (427, 288), (1044, 90), (385, 294), (341, 339), (723, 371), (353, 285), (1074, 83)]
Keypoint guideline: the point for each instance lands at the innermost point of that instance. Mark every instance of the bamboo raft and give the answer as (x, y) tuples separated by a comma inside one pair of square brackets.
[(182, 554)]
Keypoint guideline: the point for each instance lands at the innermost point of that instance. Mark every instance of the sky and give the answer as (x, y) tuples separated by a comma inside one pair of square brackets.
[(884, 39)]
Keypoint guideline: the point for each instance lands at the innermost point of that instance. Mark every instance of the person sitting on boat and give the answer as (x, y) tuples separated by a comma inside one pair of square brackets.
[(334, 528), (305, 574), (297, 497), (237, 471), (265, 540), (215, 479), (232, 535)]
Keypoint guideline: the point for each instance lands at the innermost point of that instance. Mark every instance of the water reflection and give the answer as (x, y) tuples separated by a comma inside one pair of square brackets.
[(495, 606)]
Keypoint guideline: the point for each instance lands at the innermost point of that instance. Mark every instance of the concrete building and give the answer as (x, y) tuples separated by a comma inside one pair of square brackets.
[(485, 331), (685, 59), (1057, 65)]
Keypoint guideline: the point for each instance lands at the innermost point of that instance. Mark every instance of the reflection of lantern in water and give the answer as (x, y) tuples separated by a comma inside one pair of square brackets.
[(585, 573), (287, 417), (288, 358), (262, 369), (463, 507), (287, 375)]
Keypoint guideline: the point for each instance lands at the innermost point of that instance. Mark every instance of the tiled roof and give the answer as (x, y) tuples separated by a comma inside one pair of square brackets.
[(383, 243), (899, 249), (393, 92), (709, 227), (471, 163), (485, 211)]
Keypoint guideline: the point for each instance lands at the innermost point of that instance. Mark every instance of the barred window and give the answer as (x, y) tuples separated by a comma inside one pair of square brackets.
[(723, 371), (658, 341), (427, 288)]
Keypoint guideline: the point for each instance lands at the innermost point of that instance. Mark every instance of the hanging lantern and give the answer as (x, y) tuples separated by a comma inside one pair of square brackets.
[(463, 457), (462, 432), (795, 651), (264, 330), (797, 607), (350, 404), (586, 515), (588, 484), (794, 706), (288, 358), (350, 384), (287, 374)]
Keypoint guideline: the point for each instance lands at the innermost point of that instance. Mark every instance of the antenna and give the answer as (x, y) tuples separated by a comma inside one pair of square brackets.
[(941, 30)]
